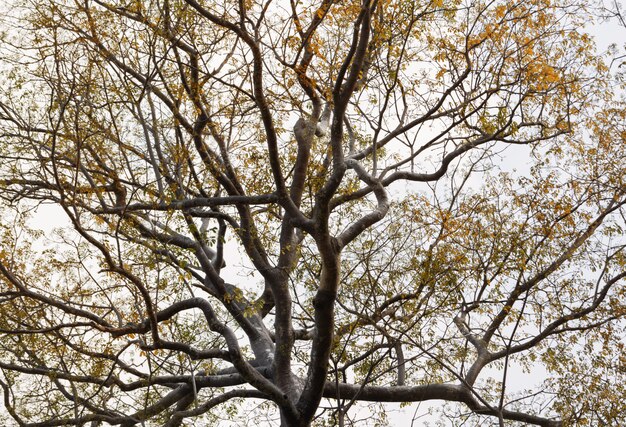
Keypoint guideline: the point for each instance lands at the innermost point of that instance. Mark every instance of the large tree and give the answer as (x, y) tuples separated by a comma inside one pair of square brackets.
[(300, 204)]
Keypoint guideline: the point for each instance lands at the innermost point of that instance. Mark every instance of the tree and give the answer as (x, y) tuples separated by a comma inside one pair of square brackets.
[(238, 230)]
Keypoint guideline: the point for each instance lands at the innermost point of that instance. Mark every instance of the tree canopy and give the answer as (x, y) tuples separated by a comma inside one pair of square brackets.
[(296, 212)]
